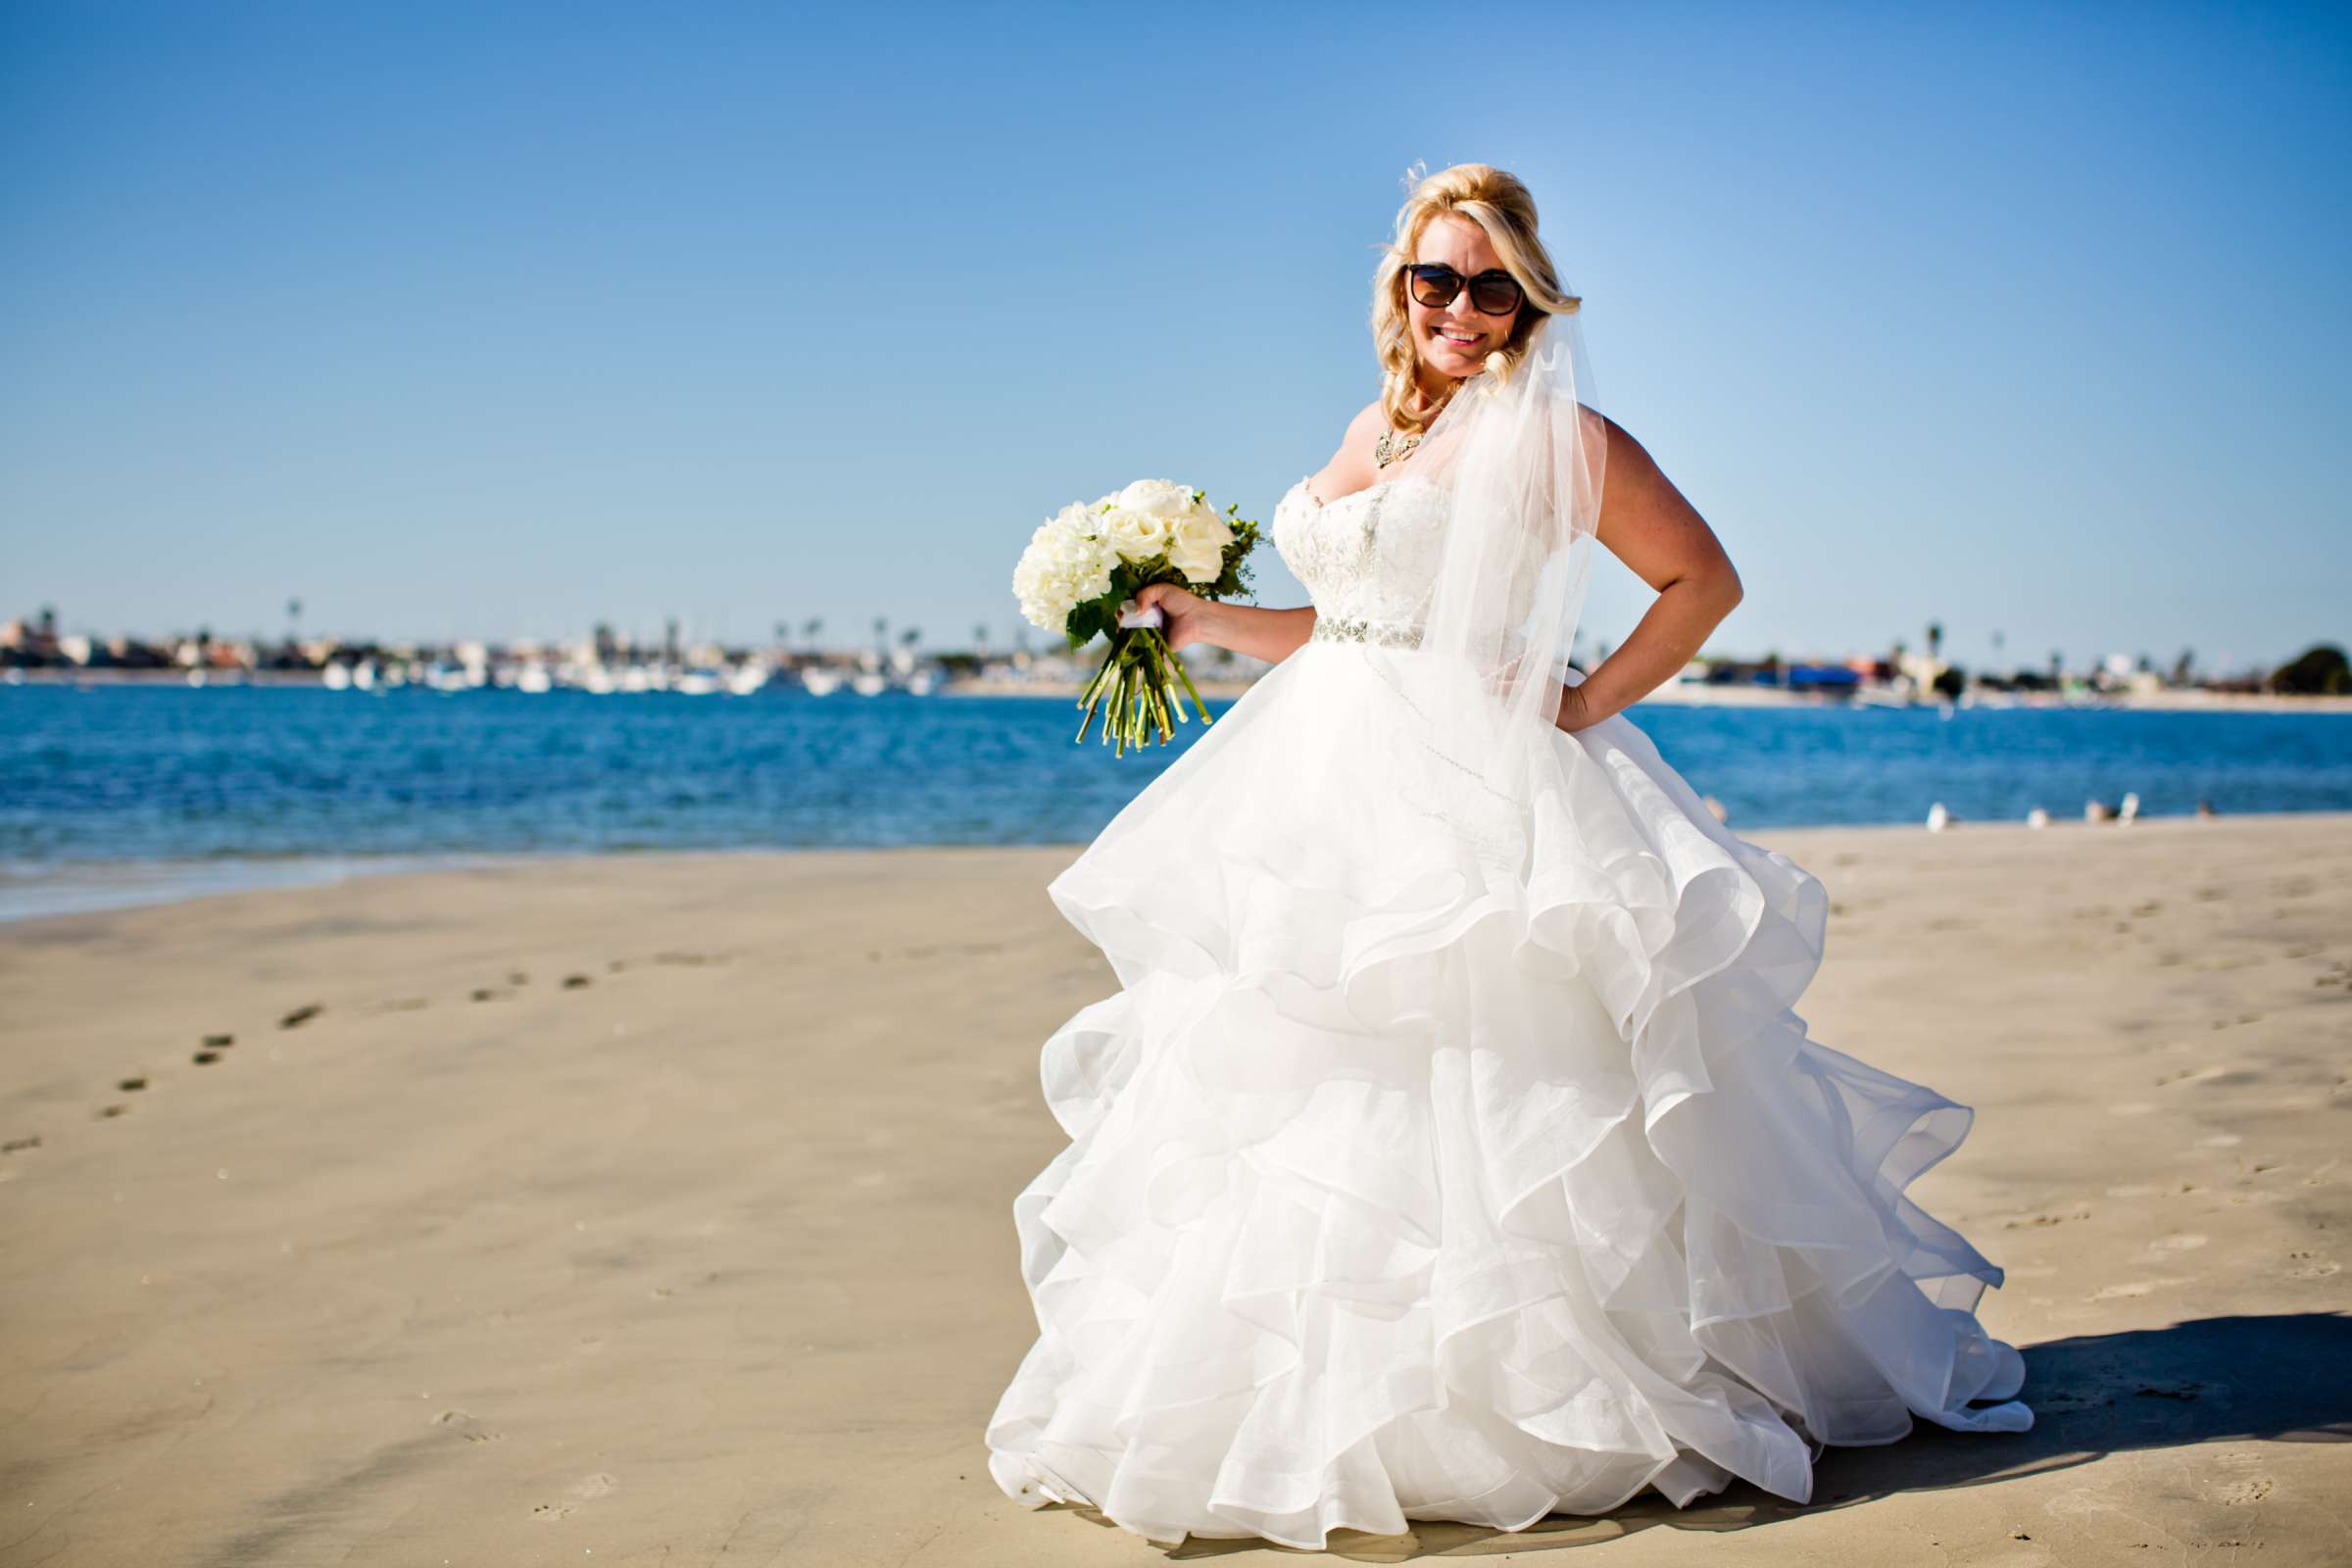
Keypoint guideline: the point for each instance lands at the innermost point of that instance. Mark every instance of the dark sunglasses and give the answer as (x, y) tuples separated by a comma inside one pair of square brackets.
[(1492, 293)]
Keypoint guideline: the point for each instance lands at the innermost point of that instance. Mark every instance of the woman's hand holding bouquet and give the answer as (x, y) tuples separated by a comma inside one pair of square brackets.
[(1082, 571)]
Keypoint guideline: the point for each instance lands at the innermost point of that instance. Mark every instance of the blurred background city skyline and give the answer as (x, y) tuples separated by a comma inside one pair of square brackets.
[(503, 322)]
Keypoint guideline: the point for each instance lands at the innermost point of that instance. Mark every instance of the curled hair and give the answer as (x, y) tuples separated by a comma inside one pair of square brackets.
[(1497, 203)]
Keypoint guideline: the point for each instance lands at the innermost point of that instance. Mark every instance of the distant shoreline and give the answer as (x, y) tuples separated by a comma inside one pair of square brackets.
[(1670, 695), (1666, 696), (1730, 696)]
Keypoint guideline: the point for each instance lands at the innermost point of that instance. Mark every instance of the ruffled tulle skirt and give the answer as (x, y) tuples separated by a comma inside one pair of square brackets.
[(1400, 1186)]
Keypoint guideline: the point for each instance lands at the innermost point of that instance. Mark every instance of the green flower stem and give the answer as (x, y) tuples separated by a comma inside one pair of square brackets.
[(1090, 699), (1185, 677), (1156, 688), (1120, 712), (1132, 693)]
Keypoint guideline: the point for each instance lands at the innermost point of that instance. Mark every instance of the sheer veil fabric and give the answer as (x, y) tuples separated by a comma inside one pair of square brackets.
[(1450, 1148), (1520, 457)]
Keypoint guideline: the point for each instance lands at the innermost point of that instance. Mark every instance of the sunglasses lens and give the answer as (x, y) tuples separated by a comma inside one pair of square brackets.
[(1494, 294), (1436, 287)]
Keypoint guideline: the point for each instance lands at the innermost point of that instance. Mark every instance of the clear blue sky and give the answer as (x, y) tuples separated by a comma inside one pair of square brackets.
[(501, 320)]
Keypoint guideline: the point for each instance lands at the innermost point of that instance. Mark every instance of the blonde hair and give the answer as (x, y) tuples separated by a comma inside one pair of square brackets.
[(1497, 203)]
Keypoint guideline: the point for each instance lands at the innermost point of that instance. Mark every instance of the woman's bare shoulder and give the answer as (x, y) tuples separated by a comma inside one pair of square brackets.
[(1352, 468), (1365, 428)]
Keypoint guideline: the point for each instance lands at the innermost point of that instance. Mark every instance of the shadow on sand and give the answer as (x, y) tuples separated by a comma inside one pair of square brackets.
[(2284, 1379)]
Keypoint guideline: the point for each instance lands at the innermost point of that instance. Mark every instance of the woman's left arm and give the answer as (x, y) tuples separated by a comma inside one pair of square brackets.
[(1646, 523)]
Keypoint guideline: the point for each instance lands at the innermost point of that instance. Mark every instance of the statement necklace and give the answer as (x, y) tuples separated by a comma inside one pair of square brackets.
[(1390, 446)]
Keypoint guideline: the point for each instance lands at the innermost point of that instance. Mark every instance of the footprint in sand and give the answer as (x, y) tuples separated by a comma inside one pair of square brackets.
[(466, 1426), (2045, 1219), (302, 1016), (2127, 1290), (2243, 1493), (31, 1141), (128, 1083), (587, 1487), (2310, 1265), (203, 1058), (665, 1292), (574, 982)]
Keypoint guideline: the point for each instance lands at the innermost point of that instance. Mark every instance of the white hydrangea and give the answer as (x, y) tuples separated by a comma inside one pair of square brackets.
[(1068, 561)]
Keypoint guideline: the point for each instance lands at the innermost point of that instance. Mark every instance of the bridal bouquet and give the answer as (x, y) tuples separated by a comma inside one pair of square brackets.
[(1085, 561)]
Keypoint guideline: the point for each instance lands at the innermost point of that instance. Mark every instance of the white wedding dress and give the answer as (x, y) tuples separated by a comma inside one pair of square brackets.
[(1401, 1188)]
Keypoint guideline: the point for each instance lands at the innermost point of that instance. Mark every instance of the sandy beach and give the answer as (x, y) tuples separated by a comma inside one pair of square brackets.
[(657, 1209)]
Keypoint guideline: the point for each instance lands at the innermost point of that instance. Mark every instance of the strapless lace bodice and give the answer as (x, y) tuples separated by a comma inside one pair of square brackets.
[(1367, 559)]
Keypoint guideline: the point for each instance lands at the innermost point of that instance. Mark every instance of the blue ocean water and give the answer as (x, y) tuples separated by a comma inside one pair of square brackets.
[(96, 780)]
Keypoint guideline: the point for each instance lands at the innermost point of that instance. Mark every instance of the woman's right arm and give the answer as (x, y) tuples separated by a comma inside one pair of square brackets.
[(1269, 634), (1272, 635)]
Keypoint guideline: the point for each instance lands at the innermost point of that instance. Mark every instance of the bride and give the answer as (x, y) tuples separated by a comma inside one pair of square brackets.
[(1451, 1149)]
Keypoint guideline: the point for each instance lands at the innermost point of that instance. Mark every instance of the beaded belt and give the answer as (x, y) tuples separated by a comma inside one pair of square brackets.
[(1360, 629)]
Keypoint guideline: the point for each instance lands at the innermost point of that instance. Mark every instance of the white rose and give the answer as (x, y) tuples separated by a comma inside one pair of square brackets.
[(1163, 499), (1137, 535), (1198, 547)]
